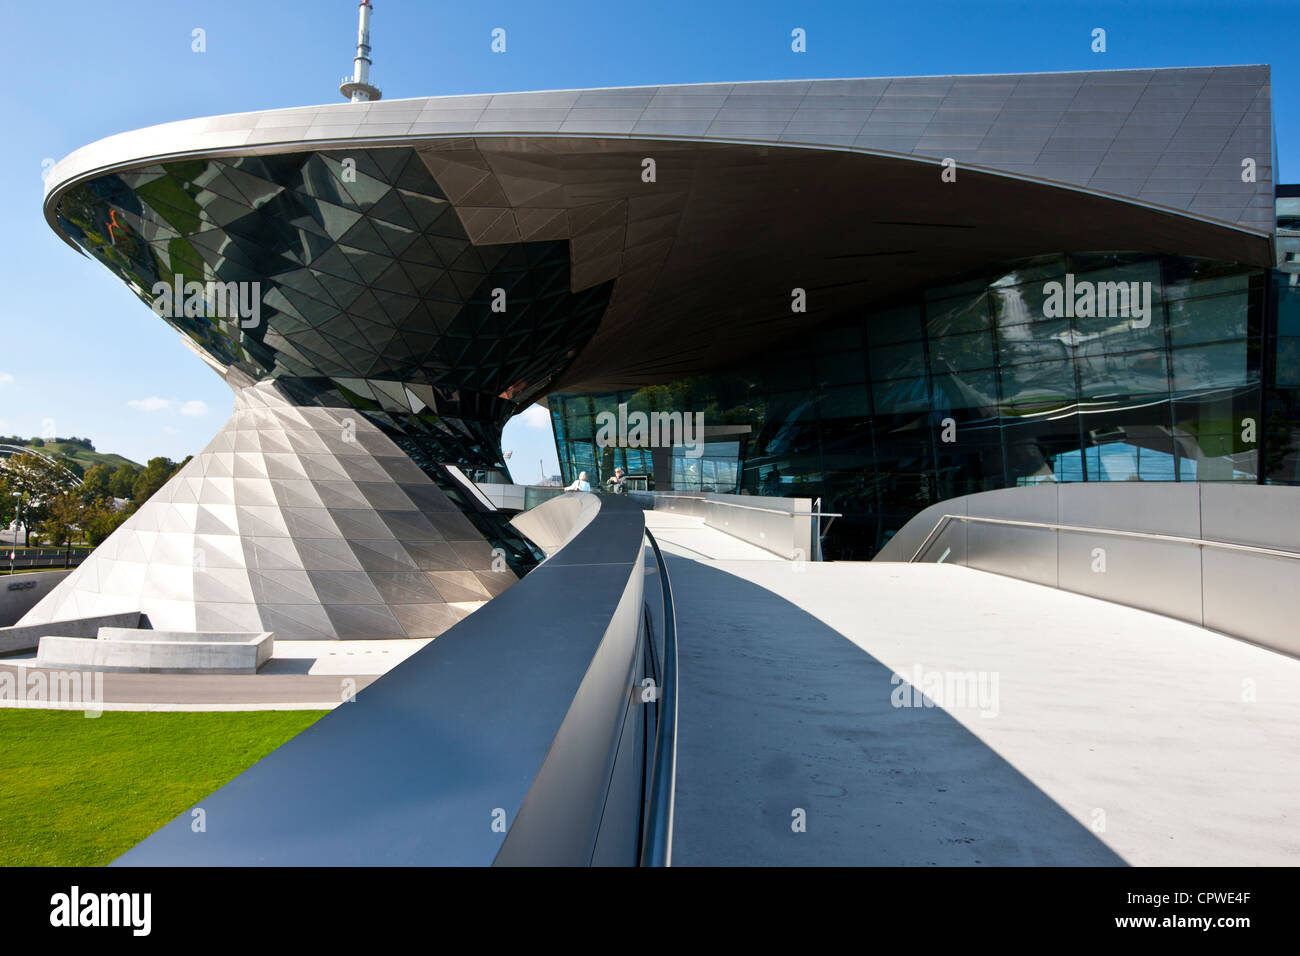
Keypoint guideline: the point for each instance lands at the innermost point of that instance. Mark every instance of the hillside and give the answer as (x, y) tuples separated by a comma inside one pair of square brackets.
[(79, 450)]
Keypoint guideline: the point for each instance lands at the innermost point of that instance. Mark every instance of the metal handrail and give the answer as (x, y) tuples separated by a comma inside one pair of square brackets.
[(658, 847), (822, 532), (1147, 535), (773, 511)]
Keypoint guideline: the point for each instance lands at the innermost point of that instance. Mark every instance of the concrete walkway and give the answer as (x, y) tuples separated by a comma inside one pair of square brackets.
[(1091, 734), (687, 536)]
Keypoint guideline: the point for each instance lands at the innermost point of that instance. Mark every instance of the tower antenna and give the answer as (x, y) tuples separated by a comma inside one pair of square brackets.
[(357, 87)]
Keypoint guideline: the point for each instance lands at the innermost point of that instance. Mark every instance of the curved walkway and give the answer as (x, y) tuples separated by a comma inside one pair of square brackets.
[(1106, 735)]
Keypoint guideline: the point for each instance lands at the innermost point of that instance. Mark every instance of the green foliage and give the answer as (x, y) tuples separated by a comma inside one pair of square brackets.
[(8, 503), (71, 464), (154, 476), (63, 518), (99, 520), (80, 450), (39, 481), (97, 481), (123, 481)]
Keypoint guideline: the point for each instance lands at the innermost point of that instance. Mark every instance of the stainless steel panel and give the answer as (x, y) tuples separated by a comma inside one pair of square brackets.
[(1209, 106), (1254, 596), (527, 102), (905, 542), (1037, 503), (678, 99), (948, 546), (858, 87), (1158, 507), (1263, 515), (559, 820), (744, 99), (1153, 575), (1025, 553)]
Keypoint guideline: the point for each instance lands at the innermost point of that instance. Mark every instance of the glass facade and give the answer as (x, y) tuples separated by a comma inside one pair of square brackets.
[(989, 383), (1282, 370), (372, 295)]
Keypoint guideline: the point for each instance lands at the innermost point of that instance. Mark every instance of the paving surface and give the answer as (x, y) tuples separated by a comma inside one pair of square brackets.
[(1091, 734), (687, 536)]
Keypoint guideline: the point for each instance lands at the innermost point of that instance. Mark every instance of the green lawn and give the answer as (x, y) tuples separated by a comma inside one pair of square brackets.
[(78, 791)]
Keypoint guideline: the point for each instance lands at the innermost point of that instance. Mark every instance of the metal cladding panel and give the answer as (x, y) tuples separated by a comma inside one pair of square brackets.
[(1156, 576), (1262, 515), (1182, 134), (269, 548), (828, 185), (1168, 557), (1252, 595)]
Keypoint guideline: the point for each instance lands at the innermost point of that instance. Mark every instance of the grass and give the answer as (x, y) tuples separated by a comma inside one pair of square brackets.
[(76, 791), (79, 453)]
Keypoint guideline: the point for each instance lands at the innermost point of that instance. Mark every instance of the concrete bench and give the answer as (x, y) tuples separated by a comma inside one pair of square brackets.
[(159, 652), (27, 637)]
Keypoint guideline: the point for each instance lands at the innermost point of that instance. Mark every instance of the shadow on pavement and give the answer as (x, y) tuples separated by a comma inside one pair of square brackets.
[(779, 712)]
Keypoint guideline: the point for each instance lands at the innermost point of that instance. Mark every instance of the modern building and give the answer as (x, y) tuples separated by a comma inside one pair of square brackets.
[(877, 292)]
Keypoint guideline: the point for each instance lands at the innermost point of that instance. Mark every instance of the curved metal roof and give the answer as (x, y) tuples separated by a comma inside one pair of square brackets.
[(832, 186), (1169, 138)]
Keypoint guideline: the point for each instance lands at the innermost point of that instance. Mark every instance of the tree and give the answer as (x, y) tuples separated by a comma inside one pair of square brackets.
[(40, 481), (8, 503), (99, 520), (123, 481), (154, 476), (62, 521), (97, 481), (71, 464)]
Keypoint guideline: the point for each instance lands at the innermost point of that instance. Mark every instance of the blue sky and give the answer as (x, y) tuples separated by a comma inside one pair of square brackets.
[(79, 354)]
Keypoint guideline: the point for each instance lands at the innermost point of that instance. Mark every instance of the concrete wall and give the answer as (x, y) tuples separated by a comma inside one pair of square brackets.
[(179, 637), (21, 592), (1249, 595), (160, 653), (15, 640)]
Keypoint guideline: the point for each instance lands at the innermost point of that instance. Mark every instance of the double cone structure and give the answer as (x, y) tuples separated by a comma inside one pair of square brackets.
[(308, 522)]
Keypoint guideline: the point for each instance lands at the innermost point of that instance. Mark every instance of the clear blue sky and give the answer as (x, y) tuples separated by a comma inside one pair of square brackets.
[(77, 349)]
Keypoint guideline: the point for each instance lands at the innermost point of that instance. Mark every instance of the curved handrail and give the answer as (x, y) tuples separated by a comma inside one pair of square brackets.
[(1116, 532), (657, 849), (9, 451), (773, 511)]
